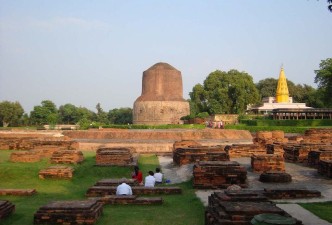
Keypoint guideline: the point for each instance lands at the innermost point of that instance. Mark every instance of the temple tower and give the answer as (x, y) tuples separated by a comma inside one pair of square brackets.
[(161, 101), (282, 94)]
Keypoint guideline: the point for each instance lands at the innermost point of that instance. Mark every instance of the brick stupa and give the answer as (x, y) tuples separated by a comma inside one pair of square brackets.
[(161, 101)]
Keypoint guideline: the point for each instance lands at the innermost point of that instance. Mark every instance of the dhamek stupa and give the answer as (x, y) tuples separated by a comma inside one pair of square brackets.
[(161, 101), (282, 100)]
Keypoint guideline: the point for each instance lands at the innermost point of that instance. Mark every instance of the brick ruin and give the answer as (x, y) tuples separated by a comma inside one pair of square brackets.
[(275, 177), (69, 212), (25, 156), (115, 157), (57, 172), (6, 208), (218, 174), (325, 168), (182, 156), (239, 208), (67, 156), (267, 162), (17, 192)]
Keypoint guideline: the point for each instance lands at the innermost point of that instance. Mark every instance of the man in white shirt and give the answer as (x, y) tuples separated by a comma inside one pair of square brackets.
[(158, 176), (150, 180), (124, 189)]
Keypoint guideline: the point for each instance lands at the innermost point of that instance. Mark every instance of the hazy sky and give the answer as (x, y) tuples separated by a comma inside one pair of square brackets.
[(84, 52)]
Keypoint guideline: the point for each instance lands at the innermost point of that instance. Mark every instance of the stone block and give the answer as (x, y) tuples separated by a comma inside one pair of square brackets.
[(6, 208), (67, 156), (267, 162)]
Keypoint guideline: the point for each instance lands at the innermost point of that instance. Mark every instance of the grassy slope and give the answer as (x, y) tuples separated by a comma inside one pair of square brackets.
[(176, 209), (322, 209)]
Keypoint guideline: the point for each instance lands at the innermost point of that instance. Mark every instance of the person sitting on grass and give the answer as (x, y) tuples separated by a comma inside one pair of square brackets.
[(137, 175), (150, 180), (124, 189), (158, 176)]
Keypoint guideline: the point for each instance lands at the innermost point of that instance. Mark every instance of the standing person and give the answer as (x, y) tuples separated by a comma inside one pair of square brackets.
[(150, 180), (124, 189), (158, 176), (137, 175)]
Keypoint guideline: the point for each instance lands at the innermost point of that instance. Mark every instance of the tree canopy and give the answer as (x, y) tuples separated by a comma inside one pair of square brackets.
[(120, 116), (10, 113), (44, 113), (224, 92), (324, 81)]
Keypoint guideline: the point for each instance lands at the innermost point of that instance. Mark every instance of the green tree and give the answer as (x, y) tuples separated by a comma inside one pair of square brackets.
[(101, 115), (40, 114), (324, 81), (120, 116), (267, 87), (10, 113), (225, 92), (68, 114)]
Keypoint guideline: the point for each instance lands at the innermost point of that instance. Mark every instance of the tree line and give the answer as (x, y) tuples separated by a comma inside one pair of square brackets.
[(221, 93), (12, 114)]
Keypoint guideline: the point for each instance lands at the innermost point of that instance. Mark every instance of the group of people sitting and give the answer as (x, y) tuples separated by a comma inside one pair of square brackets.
[(150, 181)]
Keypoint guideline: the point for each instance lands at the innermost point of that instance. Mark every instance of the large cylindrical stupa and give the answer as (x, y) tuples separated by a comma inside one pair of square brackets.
[(161, 101)]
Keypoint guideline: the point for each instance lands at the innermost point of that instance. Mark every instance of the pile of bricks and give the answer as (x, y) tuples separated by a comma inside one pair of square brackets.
[(275, 148), (244, 150), (116, 182), (24, 156), (315, 156), (325, 168), (114, 157), (6, 208), (69, 212), (187, 155), (17, 192), (128, 199), (99, 191), (213, 174), (275, 177), (67, 156), (318, 135), (222, 211), (57, 172), (267, 162)]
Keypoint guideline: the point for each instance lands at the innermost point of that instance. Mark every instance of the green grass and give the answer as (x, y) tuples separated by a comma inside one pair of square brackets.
[(176, 209), (321, 209), (286, 129)]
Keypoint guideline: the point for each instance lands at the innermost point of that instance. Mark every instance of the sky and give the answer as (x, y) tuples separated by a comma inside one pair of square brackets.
[(86, 52)]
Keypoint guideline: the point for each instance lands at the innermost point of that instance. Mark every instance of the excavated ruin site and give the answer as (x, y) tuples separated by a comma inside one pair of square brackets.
[(237, 175)]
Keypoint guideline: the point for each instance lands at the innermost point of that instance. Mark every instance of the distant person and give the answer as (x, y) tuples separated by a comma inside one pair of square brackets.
[(150, 181), (137, 175), (124, 189), (158, 176)]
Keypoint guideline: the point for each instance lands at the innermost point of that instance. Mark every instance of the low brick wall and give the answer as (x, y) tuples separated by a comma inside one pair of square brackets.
[(98, 191), (25, 156), (128, 200)]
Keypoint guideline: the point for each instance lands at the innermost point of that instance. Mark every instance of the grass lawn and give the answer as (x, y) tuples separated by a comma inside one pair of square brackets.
[(176, 209), (321, 209)]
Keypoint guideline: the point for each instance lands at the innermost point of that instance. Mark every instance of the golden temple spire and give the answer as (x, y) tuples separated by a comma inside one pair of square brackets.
[(282, 94)]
